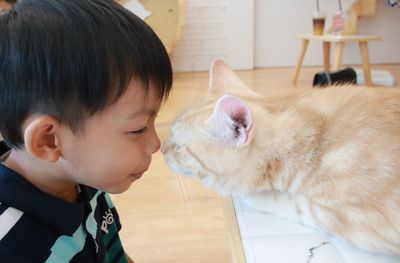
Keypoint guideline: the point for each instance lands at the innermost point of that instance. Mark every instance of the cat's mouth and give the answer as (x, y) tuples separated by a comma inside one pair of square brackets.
[(206, 180), (177, 168)]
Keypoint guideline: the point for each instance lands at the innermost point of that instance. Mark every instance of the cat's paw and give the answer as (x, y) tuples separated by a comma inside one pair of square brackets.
[(262, 202)]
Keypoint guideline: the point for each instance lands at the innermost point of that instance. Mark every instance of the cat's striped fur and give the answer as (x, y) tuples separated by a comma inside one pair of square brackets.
[(329, 158)]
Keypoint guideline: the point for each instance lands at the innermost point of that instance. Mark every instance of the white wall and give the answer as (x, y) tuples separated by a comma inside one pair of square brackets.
[(278, 21), (216, 29), (204, 35), (259, 33)]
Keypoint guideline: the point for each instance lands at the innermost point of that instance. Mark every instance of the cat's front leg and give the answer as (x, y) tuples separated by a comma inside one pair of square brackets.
[(285, 205)]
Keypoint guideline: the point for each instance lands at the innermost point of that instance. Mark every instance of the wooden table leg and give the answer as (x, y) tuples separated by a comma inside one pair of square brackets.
[(365, 61), (303, 49), (337, 62), (327, 54)]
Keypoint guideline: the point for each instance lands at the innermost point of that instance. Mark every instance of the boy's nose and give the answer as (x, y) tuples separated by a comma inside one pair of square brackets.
[(156, 144)]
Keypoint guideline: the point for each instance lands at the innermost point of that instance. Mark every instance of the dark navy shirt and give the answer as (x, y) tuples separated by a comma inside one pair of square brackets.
[(37, 227)]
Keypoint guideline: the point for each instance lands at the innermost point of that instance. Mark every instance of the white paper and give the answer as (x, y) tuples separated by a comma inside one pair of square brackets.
[(137, 8)]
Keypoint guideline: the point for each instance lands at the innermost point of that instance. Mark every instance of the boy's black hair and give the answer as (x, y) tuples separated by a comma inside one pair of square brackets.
[(71, 59)]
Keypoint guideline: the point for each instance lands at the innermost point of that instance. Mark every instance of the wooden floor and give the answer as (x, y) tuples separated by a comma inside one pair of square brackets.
[(170, 218)]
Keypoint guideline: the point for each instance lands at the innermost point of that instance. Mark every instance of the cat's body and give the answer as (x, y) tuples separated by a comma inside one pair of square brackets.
[(329, 158)]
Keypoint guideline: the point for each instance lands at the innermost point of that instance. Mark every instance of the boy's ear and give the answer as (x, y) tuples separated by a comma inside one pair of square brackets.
[(41, 140), (224, 80)]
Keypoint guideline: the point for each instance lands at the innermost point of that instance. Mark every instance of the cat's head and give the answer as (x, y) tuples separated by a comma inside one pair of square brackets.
[(214, 140)]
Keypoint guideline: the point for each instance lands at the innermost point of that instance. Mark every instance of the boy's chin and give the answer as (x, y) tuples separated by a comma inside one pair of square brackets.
[(118, 189)]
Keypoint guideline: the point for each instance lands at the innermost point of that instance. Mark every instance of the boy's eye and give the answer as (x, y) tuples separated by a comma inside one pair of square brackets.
[(138, 132)]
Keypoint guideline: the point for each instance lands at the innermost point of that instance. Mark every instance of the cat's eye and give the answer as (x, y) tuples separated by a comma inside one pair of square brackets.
[(139, 132)]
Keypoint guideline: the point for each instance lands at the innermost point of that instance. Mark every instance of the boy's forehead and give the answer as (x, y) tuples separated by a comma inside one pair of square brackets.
[(138, 97)]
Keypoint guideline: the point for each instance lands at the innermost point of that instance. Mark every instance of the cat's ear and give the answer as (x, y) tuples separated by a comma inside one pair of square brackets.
[(231, 121), (224, 80)]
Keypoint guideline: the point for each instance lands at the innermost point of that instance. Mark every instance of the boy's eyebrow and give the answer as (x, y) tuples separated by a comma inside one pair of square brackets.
[(149, 112), (141, 112)]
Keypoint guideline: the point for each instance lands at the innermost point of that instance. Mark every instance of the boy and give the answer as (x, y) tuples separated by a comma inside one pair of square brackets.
[(81, 82)]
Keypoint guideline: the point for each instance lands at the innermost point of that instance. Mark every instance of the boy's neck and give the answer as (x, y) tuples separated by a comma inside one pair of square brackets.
[(45, 176)]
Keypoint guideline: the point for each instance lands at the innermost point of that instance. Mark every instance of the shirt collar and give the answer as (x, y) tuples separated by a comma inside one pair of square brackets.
[(17, 192)]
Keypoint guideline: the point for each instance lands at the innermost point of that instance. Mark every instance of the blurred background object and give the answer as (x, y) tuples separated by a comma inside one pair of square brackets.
[(166, 17)]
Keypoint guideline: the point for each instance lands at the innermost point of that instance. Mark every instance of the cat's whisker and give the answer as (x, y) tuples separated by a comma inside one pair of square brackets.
[(177, 186), (188, 189), (181, 189), (186, 197)]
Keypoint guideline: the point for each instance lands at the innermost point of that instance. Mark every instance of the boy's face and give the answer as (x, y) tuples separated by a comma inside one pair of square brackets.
[(117, 144)]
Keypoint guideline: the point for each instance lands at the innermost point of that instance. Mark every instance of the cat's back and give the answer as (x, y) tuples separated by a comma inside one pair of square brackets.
[(360, 138), (353, 102), (357, 113), (357, 144)]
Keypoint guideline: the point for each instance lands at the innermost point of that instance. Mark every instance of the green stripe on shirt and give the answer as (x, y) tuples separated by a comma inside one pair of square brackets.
[(66, 247)]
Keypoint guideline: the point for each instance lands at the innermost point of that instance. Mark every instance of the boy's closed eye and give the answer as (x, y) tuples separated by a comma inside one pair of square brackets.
[(138, 132), (152, 116)]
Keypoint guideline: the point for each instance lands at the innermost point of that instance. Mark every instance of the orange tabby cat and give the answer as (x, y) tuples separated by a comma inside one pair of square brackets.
[(329, 158)]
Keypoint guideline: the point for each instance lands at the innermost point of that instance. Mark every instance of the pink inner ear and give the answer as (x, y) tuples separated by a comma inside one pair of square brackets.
[(247, 131), (238, 111)]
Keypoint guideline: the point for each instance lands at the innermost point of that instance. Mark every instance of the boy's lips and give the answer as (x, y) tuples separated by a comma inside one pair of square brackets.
[(138, 175)]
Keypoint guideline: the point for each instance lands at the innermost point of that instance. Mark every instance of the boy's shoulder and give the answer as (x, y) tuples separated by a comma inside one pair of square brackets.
[(35, 226), (22, 238), (30, 221)]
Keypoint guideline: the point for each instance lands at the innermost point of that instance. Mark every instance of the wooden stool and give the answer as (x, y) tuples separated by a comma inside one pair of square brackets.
[(340, 43)]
